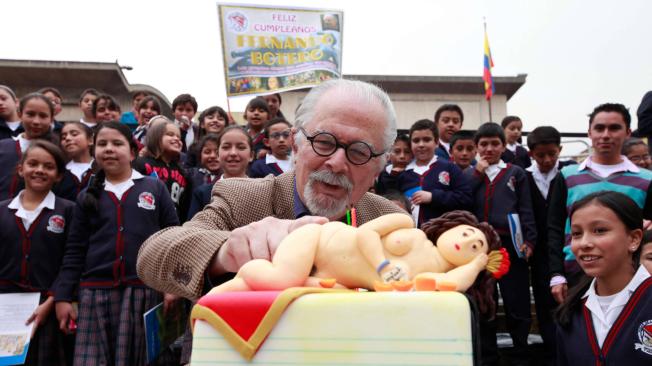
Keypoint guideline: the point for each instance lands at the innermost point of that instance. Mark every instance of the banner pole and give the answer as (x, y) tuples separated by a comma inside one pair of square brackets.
[(490, 117), (228, 111)]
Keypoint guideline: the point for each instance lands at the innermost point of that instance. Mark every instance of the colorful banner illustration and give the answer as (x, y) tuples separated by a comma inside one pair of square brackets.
[(270, 49)]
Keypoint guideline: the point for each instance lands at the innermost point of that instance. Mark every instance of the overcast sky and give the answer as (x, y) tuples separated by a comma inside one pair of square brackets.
[(577, 54)]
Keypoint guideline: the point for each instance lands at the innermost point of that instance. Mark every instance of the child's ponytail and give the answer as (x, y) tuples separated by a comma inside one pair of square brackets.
[(573, 302)]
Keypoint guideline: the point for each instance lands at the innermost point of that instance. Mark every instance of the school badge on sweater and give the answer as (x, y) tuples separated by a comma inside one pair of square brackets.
[(645, 336), (146, 200), (444, 178), (56, 224)]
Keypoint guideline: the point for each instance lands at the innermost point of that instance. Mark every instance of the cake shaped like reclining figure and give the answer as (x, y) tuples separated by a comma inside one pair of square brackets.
[(382, 254)]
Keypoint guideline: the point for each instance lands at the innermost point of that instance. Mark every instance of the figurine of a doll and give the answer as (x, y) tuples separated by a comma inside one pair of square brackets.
[(448, 254)]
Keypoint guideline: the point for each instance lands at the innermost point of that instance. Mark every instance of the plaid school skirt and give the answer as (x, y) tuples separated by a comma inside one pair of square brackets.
[(46, 347), (110, 327)]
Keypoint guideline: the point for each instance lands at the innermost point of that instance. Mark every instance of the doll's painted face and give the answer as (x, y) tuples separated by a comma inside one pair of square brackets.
[(459, 245)]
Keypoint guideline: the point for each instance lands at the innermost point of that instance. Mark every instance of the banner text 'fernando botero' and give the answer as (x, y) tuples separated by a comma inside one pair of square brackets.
[(269, 49)]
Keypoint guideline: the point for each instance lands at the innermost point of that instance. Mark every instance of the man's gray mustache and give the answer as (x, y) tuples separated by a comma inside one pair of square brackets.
[(328, 177)]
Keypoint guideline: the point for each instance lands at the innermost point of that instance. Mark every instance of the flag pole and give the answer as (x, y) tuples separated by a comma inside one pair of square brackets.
[(484, 21)]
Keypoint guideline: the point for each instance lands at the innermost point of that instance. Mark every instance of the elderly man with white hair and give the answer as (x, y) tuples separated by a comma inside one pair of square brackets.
[(343, 129)]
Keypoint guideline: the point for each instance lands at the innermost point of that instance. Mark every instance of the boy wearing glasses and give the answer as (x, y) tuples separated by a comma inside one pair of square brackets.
[(433, 185), (277, 139)]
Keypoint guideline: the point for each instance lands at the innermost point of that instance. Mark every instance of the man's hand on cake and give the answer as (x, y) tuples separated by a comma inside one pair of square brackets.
[(257, 240)]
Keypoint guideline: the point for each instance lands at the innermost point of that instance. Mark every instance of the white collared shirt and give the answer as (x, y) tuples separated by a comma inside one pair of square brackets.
[(13, 125), (78, 169), (190, 132), (446, 145), (285, 165), (512, 147), (614, 304), (22, 141), (543, 180), (120, 188), (28, 217), (604, 171), (89, 124), (420, 169), (493, 170)]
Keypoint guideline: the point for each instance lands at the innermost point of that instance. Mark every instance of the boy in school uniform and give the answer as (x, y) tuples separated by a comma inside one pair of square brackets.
[(449, 119), (434, 186), (463, 150), (544, 143), (499, 190), (604, 169), (277, 139), (184, 108)]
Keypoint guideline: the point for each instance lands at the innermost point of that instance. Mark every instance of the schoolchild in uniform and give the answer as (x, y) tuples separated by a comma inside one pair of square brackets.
[(637, 151), (209, 170), (55, 97), (514, 152), (434, 185), (277, 140), (148, 108), (544, 143), (184, 108), (235, 154), (256, 115), (646, 250), (129, 118), (35, 112), (77, 142), (607, 318), (86, 100), (112, 218), (35, 225), (274, 102), (399, 157), (449, 119), (463, 150), (500, 189), (212, 120), (161, 160), (10, 125), (106, 109)]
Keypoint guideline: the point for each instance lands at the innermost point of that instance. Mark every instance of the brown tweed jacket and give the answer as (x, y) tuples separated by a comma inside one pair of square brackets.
[(175, 259)]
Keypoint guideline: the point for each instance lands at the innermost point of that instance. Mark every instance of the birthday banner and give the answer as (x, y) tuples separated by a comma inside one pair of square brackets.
[(271, 49)]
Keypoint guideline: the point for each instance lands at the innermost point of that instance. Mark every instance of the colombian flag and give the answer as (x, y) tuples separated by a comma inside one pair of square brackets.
[(489, 87)]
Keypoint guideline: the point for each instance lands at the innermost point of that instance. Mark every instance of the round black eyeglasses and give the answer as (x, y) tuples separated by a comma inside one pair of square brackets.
[(325, 144)]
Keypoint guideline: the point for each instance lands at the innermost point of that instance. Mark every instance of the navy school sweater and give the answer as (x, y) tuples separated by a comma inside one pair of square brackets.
[(201, 176), (70, 186), (520, 157), (8, 133), (10, 181), (508, 193), (629, 341), (540, 206), (259, 169), (449, 187), (103, 247), (30, 259)]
